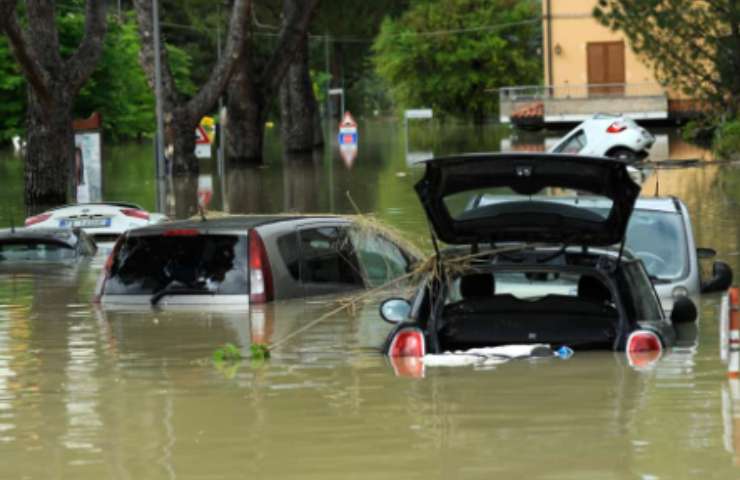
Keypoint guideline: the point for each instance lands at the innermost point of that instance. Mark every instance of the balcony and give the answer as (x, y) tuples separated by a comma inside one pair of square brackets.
[(538, 105)]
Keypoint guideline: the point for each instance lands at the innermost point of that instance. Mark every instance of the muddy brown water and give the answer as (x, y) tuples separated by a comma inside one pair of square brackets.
[(134, 394)]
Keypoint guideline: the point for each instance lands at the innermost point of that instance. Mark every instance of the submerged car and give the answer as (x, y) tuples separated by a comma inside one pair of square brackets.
[(24, 245), (531, 269), (103, 221), (245, 259), (660, 234), (607, 136)]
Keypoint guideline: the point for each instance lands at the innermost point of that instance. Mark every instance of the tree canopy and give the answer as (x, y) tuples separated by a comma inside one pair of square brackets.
[(692, 46), (452, 55), (117, 88)]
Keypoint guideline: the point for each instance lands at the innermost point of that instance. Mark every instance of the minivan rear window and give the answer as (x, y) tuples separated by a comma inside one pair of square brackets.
[(146, 265)]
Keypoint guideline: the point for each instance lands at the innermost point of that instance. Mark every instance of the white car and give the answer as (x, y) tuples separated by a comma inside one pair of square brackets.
[(103, 221), (607, 136)]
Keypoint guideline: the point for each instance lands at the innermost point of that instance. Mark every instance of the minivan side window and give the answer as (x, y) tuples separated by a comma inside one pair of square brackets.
[(574, 144), (381, 260), (327, 258)]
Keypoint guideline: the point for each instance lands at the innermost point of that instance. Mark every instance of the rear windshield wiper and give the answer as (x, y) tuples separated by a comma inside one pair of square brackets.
[(178, 291)]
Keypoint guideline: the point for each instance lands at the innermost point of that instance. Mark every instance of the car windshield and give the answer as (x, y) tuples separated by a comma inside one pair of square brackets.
[(35, 251), (659, 240), (470, 204), (147, 265)]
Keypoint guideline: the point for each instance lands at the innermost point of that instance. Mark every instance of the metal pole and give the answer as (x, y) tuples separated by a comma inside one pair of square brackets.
[(328, 72), (159, 148)]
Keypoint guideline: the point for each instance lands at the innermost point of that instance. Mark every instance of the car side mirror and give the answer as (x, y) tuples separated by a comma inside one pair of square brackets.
[(684, 311), (721, 278), (395, 310), (705, 253)]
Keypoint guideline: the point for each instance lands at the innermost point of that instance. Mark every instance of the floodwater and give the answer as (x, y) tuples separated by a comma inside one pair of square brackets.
[(89, 394)]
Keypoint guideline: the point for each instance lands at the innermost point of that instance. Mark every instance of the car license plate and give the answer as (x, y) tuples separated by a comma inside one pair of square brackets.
[(85, 223)]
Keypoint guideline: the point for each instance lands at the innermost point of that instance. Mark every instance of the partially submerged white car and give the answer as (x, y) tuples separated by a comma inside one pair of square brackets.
[(607, 136), (103, 221)]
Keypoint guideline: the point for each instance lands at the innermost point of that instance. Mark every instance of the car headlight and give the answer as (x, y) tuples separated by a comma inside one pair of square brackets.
[(679, 292)]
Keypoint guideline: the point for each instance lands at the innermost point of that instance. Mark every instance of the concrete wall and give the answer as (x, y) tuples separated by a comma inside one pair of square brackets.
[(579, 109)]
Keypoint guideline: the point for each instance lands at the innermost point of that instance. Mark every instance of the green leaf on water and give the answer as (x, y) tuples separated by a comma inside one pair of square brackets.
[(260, 351), (228, 352)]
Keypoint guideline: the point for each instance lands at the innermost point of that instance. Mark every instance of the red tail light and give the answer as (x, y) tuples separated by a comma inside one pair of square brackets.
[(616, 127), (643, 341), (105, 273), (408, 342), (136, 213), (260, 275), (37, 219), (181, 232)]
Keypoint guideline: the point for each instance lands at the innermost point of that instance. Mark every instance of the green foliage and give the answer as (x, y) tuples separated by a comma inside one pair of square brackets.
[(451, 55), (693, 46), (727, 140), (12, 94), (228, 352), (118, 88), (699, 132), (260, 351)]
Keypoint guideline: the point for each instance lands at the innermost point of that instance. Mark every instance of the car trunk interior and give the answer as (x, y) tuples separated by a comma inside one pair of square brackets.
[(577, 313)]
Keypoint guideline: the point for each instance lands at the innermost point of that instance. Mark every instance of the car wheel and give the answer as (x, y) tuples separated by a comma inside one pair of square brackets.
[(623, 154)]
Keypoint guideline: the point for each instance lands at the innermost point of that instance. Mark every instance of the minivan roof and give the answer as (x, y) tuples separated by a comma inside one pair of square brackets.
[(227, 223)]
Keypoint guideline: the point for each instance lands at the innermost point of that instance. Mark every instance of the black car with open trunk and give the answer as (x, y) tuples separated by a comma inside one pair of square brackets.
[(530, 269)]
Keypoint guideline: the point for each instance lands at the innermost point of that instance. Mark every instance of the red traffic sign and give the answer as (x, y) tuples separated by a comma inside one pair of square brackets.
[(347, 121), (201, 137)]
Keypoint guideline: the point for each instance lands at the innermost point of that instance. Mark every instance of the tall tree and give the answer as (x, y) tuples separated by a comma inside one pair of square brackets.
[(252, 89), (451, 54), (54, 83), (182, 115), (300, 122), (692, 46)]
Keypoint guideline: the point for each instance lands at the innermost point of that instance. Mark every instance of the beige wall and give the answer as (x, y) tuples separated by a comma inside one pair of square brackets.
[(573, 27)]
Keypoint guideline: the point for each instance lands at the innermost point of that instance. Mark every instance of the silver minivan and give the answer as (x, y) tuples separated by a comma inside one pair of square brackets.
[(660, 234), (248, 259)]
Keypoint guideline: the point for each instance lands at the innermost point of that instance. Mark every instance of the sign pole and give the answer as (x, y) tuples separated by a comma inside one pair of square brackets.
[(159, 148)]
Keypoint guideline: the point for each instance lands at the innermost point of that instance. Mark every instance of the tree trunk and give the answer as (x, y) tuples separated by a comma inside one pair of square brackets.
[(245, 123), (54, 82), (182, 116), (49, 153), (298, 106), (179, 143), (251, 92)]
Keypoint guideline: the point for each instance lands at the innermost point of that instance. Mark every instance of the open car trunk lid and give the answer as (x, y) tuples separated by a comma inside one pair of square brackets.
[(450, 183)]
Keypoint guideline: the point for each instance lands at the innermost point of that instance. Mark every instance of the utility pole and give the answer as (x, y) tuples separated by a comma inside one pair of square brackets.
[(328, 73), (159, 148)]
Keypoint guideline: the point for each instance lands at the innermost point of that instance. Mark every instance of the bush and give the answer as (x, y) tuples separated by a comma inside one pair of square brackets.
[(700, 132), (727, 140)]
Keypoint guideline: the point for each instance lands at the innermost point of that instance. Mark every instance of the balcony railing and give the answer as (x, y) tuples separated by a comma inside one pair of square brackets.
[(572, 102)]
